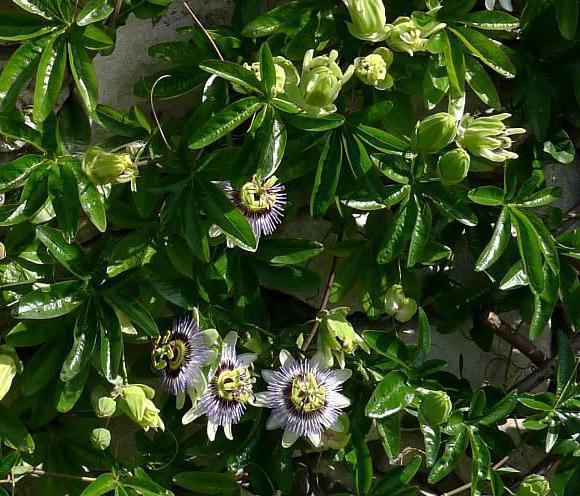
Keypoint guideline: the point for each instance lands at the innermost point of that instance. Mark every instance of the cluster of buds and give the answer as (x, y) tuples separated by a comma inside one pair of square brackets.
[(373, 69), (10, 365), (487, 137), (108, 168), (398, 305)]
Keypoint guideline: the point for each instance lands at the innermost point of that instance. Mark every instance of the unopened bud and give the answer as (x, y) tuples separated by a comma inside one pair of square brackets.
[(453, 166), (434, 133)]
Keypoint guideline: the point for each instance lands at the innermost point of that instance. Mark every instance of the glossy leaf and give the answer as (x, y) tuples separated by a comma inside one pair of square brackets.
[(421, 231), (567, 14), (530, 251), (103, 485), (389, 429), (391, 395), (95, 10), (12, 429), (498, 242), (69, 255), (234, 73), (134, 310), (84, 342), (327, 176), (499, 411), (454, 449), (59, 299), (207, 483), (18, 26), (49, 78), (63, 189), (481, 84), (493, 20), (15, 173), (398, 233), (84, 75), (111, 341), (487, 195)]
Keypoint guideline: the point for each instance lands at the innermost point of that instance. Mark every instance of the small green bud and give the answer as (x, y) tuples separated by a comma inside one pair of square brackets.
[(398, 305), (407, 309), (10, 365), (372, 69), (100, 438), (435, 407), (408, 35), (368, 19), (453, 166), (534, 485), (108, 168), (105, 407), (287, 77), (434, 133), (139, 407)]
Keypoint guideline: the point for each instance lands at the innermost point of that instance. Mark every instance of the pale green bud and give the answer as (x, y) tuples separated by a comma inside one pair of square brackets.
[(368, 19), (139, 407), (407, 309), (372, 69), (534, 485), (100, 438), (10, 365), (287, 77), (108, 168), (435, 407), (398, 305), (105, 407), (407, 35), (321, 81), (453, 166), (434, 133), (487, 137)]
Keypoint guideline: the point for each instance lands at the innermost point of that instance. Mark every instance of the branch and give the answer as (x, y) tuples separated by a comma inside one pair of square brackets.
[(511, 336), (465, 487)]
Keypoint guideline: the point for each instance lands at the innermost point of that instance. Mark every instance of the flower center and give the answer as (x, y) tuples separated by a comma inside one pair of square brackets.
[(234, 385), (256, 197), (179, 350), (168, 353), (307, 395)]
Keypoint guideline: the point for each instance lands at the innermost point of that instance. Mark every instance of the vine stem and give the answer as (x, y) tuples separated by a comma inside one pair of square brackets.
[(202, 27), (465, 487), (44, 473)]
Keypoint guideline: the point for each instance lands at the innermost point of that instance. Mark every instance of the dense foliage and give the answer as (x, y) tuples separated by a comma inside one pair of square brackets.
[(163, 328)]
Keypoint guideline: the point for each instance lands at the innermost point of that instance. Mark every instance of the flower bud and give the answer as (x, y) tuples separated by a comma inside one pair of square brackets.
[(108, 168), (105, 407), (398, 305), (407, 309), (453, 166), (368, 19), (435, 407), (100, 438), (139, 407), (287, 77), (407, 35), (487, 137), (372, 69), (10, 365), (434, 133), (321, 81), (534, 485)]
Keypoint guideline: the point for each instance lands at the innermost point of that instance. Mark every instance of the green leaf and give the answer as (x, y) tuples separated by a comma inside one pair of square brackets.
[(454, 449), (111, 341), (327, 176), (224, 214), (95, 38), (59, 299), (13, 431), (452, 203), (84, 343), (388, 345), (481, 84), (286, 278), (103, 485), (171, 83), (18, 27), (193, 229), (421, 231), (84, 75), (493, 20), (566, 363), (49, 78), (532, 401), (94, 11), (41, 8), (515, 277), (455, 64), (267, 69), (315, 124), (382, 140), (271, 137), (70, 256), (530, 251), (567, 13), (490, 52), (72, 391), (397, 478), (500, 410), (224, 122), (391, 396), (233, 73), (16, 129), (398, 233), (41, 369), (14, 174), (63, 188), (134, 310), (498, 242), (91, 200), (432, 437), (423, 338), (288, 251), (487, 195), (560, 147), (207, 483), (360, 461), (389, 429), (481, 461), (275, 19), (570, 295), (32, 333), (541, 198), (537, 104)]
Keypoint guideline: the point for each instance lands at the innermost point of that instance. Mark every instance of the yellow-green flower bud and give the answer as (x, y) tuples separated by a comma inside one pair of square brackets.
[(373, 69), (453, 166), (407, 309), (105, 407), (108, 168), (138, 406), (287, 77), (398, 305), (487, 137), (406, 35), (100, 438), (435, 407), (368, 19), (534, 485), (434, 133), (10, 365), (321, 81)]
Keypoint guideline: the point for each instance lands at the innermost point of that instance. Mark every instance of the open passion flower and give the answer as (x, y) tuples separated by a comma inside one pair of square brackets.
[(179, 356), (261, 201), (304, 397), (229, 390)]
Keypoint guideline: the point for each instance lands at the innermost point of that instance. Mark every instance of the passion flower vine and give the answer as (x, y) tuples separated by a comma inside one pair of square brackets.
[(229, 390), (305, 398), (179, 356)]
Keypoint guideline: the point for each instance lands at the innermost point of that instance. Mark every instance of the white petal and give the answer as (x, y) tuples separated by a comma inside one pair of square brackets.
[(261, 400), (342, 375), (340, 401), (191, 415), (228, 431), (211, 430), (180, 401), (274, 422), (289, 438), (319, 359), (199, 383), (231, 339), (286, 358), (247, 358), (315, 439), (267, 375)]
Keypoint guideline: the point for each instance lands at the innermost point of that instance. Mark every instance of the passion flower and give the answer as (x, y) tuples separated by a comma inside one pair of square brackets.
[(305, 398)]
